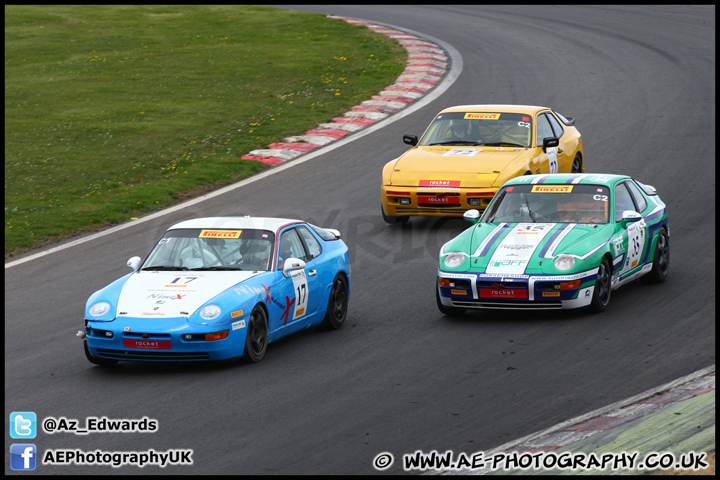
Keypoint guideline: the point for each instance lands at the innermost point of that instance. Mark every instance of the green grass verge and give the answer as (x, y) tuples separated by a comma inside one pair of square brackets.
[(116, 111)]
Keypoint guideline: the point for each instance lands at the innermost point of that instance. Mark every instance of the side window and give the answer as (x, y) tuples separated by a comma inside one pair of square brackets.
[(543, 129), (313, 246), (639, 199), (623, 201), (555, 125), (290, 247)]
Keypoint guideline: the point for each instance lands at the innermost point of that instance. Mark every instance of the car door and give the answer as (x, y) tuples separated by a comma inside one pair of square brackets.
[(299, 290), (632, 241), (564, 150), (549, 158)]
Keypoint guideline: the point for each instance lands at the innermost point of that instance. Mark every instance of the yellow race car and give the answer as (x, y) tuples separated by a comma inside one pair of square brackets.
[(468, 152)]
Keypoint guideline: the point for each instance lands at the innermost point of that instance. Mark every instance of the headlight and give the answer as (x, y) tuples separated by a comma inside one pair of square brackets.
[(454, 260), (100, 308), (564, 262), (210, 312)]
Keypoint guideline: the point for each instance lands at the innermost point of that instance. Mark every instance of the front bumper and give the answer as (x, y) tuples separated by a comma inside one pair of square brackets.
[(514, 292), (420, 201), (131, 339)]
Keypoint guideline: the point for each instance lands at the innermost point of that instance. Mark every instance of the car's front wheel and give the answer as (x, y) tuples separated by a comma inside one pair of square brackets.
[(337, 304), (105, 362), (256, 339), (661, 260), (603, 284)]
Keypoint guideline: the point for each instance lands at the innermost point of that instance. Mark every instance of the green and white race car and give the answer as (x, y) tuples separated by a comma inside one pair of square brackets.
[(555, 241)]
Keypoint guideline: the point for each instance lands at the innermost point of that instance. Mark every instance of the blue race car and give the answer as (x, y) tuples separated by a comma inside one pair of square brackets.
[(219, 288)]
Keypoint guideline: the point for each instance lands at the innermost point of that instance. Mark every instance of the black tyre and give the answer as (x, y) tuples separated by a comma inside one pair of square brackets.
[(661, 260), (337, 304), (105, 362), (603, 284), (256, 340), (392, 219), (577, 164), (449, 311)]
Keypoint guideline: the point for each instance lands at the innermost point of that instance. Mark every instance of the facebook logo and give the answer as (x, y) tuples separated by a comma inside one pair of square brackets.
[(23, 456), (23, 425)]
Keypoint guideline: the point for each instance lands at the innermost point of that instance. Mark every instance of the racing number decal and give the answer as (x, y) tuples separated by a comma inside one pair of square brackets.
[(552, 159), (300, 285), (636, 244)]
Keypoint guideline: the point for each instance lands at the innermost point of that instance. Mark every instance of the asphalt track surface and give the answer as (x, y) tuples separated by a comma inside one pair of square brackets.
[(400, 377)]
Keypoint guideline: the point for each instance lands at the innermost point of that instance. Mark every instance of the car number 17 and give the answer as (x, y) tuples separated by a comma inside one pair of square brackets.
[(301, 293)]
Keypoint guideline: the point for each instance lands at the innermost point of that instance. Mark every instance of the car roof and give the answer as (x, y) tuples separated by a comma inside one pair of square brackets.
[(569, 179), (259, 223), (496, 108)]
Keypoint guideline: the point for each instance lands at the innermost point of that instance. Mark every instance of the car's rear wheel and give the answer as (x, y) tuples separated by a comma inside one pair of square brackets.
[(256, 339), (661, 260), (393, 219), (449, 311), (105, 362), (337, 304), (577, 164), (603, 284)]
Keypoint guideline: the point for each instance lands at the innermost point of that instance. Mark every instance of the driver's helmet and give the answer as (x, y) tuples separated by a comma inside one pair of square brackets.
[(460, 128)]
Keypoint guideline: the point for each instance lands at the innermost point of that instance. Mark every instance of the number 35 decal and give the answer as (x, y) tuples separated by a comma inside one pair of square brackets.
[(301, 293)]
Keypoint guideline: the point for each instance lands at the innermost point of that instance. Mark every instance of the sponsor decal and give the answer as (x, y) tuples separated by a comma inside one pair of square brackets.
[(236, 314), (148, 344), (439, 183), (266, 290), (552, 188), (618, 245), (238, 325), (440, 200), (286, 314), (220, 233), (492, 293), (482, 116), (550, 294), (458, 292), (509, 263), (174, 296)]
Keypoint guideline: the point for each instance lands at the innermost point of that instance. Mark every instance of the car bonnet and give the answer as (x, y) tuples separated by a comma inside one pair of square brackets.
[(157, 294), (473, 166), (523, 248)]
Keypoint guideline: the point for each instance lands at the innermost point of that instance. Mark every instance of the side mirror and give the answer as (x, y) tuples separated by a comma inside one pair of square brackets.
[(134, 263), (411, 140), (472, 216), (630, 216), (549, 142), (292, 264)]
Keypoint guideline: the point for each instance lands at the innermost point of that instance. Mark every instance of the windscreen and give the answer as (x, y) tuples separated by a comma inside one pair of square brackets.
[(549, 204), (212, 249), (479, 128)]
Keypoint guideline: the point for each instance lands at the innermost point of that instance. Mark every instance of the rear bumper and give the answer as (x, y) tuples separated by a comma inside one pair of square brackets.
[(419, 201)]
